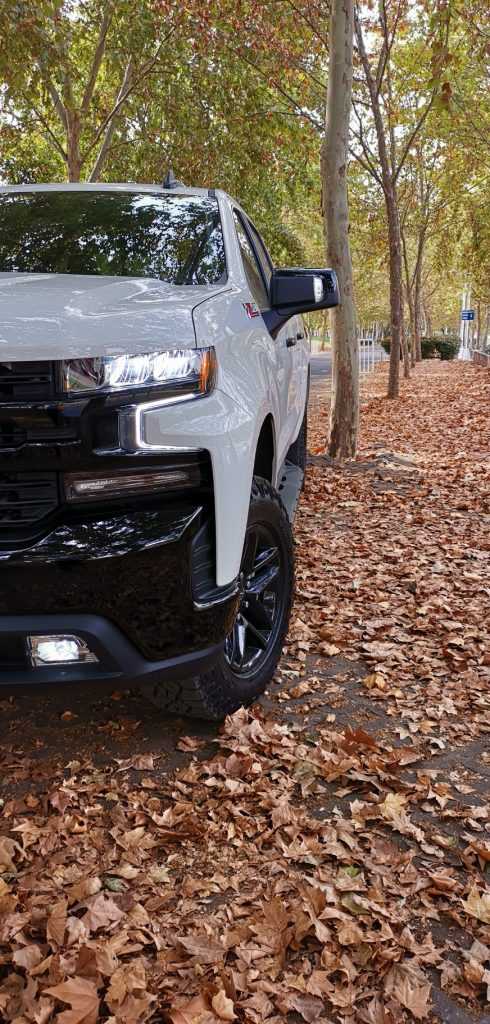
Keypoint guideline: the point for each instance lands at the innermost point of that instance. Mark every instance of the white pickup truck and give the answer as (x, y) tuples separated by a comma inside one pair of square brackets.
[(153, 394)]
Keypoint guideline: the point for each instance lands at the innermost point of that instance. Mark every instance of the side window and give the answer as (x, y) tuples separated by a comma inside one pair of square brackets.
[(263, 255), (250, 265)]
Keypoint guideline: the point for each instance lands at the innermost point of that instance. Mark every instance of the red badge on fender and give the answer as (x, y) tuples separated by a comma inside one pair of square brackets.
[(251, 309)]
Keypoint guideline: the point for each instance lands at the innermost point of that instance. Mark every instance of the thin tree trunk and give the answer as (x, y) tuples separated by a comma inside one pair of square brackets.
[(413, 329), (418, 310), (428, 321), (394, 232), (478, 324), (410, 297), (344, 412), (104, 149), (406, 353), (73, 158), (394, 240)]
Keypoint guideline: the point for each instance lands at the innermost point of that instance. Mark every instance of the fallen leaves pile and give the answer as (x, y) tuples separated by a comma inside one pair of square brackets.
[(330, 861), (395, 551)]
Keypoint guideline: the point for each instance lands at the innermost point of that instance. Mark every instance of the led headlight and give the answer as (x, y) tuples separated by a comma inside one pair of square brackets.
[(186, 371)]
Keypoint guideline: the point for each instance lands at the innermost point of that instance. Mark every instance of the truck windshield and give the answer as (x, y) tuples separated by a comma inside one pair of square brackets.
[(175, 238)]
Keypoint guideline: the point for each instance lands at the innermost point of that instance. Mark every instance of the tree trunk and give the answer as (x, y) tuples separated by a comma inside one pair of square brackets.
[(417, 304), (73, 157), (410, 298), (344, 412), (413, 329), (427, 319), (394, 239), (394, 231), (478, 324), (405, 351)]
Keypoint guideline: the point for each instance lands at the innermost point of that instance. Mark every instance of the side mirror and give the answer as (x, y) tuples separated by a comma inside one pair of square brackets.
[(299, 290)]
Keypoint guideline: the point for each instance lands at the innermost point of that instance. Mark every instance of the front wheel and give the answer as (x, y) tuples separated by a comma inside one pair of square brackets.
[(253, 648)]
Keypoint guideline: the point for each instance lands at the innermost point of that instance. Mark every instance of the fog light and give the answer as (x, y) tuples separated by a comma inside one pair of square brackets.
[(58, 650)]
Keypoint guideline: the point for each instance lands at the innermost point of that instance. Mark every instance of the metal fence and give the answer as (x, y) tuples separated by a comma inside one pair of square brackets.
[(370, 349), (469, 351)]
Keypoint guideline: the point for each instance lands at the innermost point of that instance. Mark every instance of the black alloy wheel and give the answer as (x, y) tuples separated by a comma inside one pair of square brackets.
[(260, 610), (252, 649)]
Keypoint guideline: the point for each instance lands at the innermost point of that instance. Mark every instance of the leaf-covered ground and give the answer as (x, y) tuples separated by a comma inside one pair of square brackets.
[(325, 855)]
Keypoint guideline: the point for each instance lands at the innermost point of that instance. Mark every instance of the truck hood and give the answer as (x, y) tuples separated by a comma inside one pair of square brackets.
[(60, 316)]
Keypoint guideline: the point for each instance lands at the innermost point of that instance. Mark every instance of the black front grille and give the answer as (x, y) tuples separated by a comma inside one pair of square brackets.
[(25, 498), (26, 382)]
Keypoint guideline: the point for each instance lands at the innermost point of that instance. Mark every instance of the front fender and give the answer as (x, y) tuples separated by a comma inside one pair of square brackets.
[(230, 434)]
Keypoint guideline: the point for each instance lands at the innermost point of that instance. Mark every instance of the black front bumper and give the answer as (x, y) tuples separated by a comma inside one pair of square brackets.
[(119, 663), (137, 586), (136, 580)]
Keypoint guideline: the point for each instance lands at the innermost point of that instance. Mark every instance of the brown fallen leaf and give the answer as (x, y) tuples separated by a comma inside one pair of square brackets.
[(375, 681), (310, 1008), (478, 906), (190, 743), (330, 650), (409, 985), (55, 928), (102, 913), (357, 738), (379, 649), (207, 951), (81, 995), (27, 957), (8, 849), (350, 934), (196, 1011), (223, 1006)]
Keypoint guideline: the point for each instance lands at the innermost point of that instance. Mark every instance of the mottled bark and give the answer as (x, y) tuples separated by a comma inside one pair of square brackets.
[(388, 181), (417, 302), (344, 412), (394, 241), (73, 157), (409, 297)]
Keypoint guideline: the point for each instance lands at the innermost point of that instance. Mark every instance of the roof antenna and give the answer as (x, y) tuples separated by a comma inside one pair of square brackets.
[(170, 181)]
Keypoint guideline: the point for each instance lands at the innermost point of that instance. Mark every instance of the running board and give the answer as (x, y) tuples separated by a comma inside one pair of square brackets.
[(291, 483)]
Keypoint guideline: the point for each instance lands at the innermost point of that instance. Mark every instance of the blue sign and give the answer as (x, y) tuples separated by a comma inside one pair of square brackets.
[(468, 314)]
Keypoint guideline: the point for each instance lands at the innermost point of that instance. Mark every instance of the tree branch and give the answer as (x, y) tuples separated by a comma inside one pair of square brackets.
[(314, 28), (97, 61), (367, 166), (55, 96), (412, 136), (55, 142), (290, 99), (123, 95), (124, 91)]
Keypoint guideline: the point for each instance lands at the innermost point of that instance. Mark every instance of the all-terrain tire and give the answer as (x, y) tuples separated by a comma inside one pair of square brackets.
[(221, 691)]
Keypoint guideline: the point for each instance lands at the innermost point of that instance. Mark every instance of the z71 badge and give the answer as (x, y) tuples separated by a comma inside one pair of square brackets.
[(251, 309)]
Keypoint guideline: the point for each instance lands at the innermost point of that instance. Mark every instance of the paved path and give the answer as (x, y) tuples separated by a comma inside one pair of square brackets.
[(321, 362)]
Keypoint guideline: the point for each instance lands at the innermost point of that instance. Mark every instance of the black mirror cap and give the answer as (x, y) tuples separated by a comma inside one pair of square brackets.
[(303, 290)]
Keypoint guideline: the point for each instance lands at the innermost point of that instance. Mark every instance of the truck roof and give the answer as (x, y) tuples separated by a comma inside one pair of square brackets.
[(86, 186)]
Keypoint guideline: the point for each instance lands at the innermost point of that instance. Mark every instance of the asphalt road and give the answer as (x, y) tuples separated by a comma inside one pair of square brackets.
[(321, 362)]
